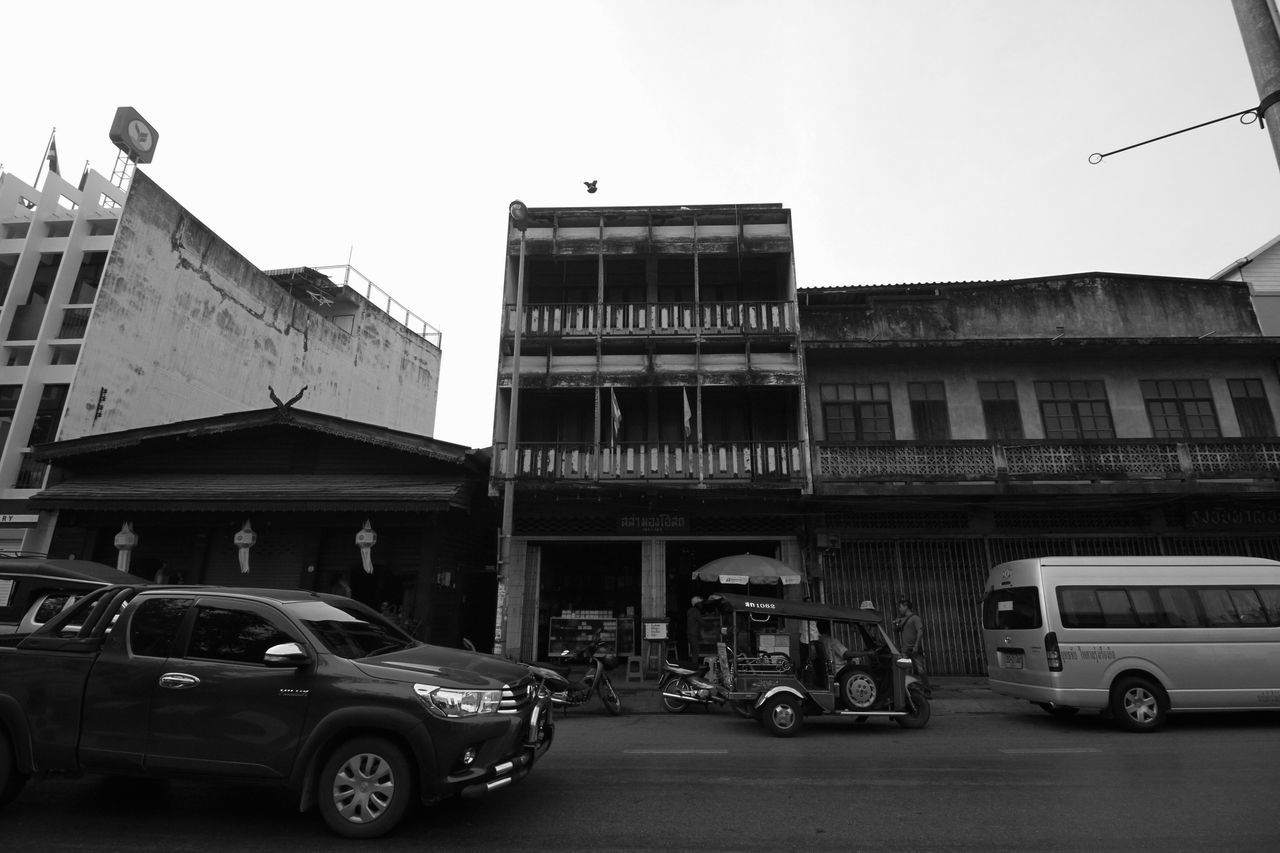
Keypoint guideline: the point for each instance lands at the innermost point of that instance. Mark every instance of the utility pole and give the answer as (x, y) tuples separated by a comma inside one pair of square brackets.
[(1260, 29)]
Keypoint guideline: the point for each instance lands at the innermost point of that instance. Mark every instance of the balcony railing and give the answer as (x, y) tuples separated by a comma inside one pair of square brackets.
[(30, 473), (654, 318), (646, 461), (74, 322), (1049, 460)]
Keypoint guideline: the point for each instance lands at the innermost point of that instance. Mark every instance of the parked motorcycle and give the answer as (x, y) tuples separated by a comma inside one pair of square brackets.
[(568, 693), (682, 686)]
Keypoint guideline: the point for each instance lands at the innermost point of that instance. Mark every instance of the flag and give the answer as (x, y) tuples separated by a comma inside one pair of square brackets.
[(51, 156), (617, 414), (688, 414)]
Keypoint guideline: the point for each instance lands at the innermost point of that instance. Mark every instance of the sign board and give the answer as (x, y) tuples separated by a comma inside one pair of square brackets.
[(655, 629), (134, 135), (656, 523), (19, 519)]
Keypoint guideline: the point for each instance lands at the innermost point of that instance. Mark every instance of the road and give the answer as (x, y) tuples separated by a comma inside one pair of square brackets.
[(713, 782)]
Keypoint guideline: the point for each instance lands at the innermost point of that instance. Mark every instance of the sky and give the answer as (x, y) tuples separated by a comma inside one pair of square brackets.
[(912, 141)]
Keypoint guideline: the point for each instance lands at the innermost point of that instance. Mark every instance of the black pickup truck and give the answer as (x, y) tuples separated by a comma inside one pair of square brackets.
[(311, 691)]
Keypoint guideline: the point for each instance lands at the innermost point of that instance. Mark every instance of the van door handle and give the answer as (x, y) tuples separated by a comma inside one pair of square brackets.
[(178, 680)]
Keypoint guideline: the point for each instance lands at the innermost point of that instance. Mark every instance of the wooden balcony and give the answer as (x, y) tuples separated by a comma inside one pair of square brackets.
[(778, 462), (1028, 460), (588, 319)]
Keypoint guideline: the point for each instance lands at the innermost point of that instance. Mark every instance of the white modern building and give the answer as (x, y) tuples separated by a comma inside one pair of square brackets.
[(122, 310)]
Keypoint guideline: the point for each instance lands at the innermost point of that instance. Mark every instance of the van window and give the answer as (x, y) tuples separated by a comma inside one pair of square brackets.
[(1012, 609), (1179, 608), (1271, 602), (1079, 608), (1248, 607)]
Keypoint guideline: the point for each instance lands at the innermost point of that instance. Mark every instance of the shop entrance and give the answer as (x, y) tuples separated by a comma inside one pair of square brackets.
[(588, 588), (683, 558)]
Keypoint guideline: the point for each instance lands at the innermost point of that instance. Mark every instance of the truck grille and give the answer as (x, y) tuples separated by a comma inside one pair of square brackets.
[(516, 698)]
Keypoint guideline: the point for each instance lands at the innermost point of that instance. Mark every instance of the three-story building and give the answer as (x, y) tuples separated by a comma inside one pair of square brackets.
[(653, 358)]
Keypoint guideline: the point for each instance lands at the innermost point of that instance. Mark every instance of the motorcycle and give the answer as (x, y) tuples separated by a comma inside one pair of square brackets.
[(568, 693), (682, 686)]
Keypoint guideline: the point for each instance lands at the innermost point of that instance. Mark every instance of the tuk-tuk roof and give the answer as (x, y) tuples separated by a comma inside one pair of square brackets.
[(795, 609)]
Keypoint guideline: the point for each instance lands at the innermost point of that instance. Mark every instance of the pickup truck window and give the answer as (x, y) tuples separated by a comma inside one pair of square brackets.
[(155, 624), (352, 631), (223, 633)]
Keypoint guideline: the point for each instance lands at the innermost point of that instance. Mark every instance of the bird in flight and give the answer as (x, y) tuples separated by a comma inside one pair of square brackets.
[(591, 186)]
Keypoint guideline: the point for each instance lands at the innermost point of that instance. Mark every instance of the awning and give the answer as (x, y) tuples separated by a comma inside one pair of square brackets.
[(260, 493)]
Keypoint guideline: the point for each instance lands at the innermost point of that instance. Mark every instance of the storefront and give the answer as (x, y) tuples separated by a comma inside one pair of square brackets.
[(626, 576), (290, 500)]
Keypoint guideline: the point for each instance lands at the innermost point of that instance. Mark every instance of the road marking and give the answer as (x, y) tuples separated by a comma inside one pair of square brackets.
[(1063, 751), (675, 752)]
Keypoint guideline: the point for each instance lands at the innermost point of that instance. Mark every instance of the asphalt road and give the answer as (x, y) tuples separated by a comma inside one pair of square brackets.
[(711, 781)]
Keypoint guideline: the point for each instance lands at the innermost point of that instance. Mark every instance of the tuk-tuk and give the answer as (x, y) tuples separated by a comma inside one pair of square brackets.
[(781, 661)]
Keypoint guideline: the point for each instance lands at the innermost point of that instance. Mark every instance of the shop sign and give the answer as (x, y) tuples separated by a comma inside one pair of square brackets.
[(657, 523), (19, 519), (1238, 518)]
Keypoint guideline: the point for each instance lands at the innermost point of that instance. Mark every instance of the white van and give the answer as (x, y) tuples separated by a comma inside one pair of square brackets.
[(1136, 637)]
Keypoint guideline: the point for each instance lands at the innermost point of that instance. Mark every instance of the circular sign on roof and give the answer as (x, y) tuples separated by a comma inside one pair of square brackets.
[(134, 135)]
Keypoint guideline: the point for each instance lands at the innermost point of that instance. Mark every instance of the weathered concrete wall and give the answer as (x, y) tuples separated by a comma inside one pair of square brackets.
[(185, 327), (1120, 369), (1083, 307)]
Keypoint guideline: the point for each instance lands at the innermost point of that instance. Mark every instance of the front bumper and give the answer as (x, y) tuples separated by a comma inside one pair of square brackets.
[(507, 752)]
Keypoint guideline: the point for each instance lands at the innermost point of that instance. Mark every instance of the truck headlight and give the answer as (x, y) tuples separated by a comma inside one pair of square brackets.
[(448, 702)]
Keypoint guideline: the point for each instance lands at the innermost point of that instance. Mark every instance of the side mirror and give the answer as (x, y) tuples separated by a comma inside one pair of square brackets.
[(904, 664), (286, 654)]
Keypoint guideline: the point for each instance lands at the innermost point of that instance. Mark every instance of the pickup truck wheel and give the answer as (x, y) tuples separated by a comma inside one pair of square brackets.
[(11, 781), (365, 788)]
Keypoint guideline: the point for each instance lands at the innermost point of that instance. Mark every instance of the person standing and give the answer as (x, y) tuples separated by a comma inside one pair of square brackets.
[(910, 628), (693, 626)]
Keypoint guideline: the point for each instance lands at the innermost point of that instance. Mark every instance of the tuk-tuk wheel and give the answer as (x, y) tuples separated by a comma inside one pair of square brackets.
[(782, 715), (917, 716)]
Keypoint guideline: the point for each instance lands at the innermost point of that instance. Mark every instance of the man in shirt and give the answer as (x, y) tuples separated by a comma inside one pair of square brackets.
[(910, 628)]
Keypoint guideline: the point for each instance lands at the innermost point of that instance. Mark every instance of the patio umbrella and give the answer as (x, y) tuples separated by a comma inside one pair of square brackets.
[(748, 569)]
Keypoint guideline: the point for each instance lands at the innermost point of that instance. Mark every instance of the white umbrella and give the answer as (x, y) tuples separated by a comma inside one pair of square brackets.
[(747, 569)]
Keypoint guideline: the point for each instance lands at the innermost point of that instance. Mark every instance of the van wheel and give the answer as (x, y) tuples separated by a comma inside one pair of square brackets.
[(918, 710), (783, 715), (11, 781), (858, 689), (1138, 705), (365, 788)]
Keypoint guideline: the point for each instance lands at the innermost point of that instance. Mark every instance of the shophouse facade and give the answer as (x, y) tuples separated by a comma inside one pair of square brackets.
[(122, 310), (653, 356), (955, 426)]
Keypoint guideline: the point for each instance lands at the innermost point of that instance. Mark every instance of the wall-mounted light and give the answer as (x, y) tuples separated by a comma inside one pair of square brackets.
[(245, 539)]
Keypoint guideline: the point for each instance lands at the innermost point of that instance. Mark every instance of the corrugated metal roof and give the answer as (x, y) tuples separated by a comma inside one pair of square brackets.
[(946, 285)]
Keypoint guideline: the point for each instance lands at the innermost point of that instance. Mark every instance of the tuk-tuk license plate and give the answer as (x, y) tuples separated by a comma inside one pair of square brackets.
[(1009, 660)]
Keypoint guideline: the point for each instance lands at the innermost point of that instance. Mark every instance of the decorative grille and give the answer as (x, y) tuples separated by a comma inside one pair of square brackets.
[(1233, 458), (906, 461), (1092, 459)]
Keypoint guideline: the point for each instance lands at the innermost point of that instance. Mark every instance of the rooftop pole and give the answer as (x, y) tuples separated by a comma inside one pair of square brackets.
[(1260, 29)]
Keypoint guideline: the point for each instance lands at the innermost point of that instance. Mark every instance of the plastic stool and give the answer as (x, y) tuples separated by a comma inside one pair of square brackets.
[(635, 669)]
